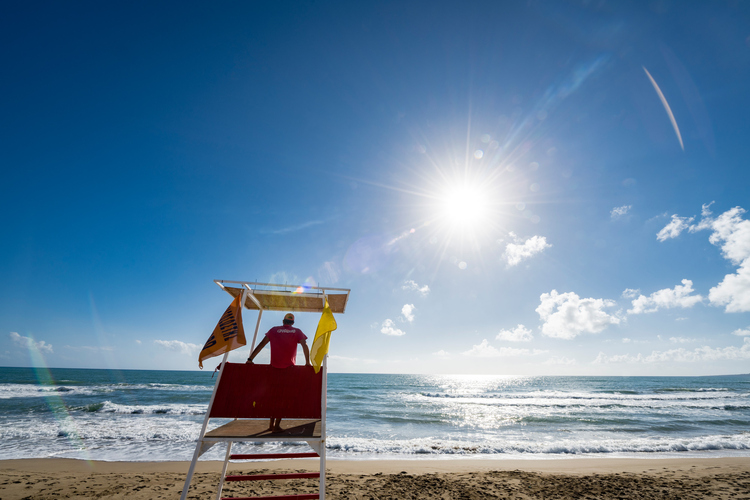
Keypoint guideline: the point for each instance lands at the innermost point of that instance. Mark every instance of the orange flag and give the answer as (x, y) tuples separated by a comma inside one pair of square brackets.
[(228, 334)]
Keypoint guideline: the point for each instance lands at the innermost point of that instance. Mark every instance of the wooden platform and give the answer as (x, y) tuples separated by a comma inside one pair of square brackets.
[(253, 428)]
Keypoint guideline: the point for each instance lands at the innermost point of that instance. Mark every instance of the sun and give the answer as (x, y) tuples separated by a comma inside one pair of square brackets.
[(465, 207)]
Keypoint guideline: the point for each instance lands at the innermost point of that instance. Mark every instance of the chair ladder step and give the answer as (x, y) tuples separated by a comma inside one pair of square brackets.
[(262, 456), (308, 496), (271, 477)]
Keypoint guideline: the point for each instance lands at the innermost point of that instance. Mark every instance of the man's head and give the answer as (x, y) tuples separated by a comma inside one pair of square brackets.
[(289, 319)]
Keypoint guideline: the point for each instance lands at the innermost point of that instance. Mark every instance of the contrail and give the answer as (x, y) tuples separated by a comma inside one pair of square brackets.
[(666, 107)]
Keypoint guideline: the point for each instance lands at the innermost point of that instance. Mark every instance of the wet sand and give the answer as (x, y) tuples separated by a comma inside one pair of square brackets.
[(586, 478)]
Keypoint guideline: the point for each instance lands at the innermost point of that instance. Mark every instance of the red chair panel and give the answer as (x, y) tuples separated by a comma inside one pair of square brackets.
[(262, 391)]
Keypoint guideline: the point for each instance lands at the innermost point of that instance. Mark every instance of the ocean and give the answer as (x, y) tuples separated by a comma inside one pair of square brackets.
[(139, 415)]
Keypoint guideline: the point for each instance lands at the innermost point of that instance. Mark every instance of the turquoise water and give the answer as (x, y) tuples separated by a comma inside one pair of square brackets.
[(156, 415)]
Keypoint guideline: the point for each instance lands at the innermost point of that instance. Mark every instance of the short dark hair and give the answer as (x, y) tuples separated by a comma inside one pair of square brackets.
[(288, 322)]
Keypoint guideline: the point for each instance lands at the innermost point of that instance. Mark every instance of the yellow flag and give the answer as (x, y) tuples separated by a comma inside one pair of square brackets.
[(228, 334), (326, 325)]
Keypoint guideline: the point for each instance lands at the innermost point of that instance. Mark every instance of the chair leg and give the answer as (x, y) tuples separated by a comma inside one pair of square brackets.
[(191, 470), (322, 454), (224, 470)]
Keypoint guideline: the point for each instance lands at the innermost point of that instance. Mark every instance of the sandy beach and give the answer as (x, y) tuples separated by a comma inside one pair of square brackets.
[(608, 478)]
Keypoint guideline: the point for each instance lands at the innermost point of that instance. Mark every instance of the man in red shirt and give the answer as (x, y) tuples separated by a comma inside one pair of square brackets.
[(284, 340)]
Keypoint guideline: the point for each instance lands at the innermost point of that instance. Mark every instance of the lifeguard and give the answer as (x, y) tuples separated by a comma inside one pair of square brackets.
[(284, 340)]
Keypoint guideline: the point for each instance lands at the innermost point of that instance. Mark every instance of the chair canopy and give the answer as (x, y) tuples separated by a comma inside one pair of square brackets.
[(273, 297)]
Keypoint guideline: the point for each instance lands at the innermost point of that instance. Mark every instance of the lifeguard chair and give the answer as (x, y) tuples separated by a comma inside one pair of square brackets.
[(251, 394)]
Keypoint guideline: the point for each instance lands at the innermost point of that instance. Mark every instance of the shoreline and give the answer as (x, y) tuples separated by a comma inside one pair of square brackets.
[(615, 478), (572, 465)]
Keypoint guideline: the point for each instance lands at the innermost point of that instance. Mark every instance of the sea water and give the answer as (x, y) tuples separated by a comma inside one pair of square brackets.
[(157, 415)]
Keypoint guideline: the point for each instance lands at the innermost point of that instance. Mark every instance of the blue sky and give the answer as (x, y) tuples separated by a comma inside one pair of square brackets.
[(507, 187)]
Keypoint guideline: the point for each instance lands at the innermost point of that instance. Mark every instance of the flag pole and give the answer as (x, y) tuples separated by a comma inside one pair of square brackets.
[(324, 407)]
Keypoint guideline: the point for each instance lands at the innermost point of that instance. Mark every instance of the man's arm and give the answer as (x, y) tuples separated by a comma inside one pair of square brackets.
[(306, 351), (257, 350)]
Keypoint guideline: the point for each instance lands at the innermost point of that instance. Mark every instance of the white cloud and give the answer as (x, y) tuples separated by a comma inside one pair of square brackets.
[(741, 332), (482, 350), (602, 358), (441, 353), (627, 340), (618, 212), (518, 334), (731, 233), (704, 353), (485, 350), (674, 228), (631, 293), (668, 298), (413, 285), (681, 340), (389, 328), (657, 217), (408, 312), (733, 291), (566, 315), (179, 346), (521, 250), (29, 343), (138, 342)]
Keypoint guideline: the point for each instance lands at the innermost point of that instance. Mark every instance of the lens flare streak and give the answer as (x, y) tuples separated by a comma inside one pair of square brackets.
[(666, 107)]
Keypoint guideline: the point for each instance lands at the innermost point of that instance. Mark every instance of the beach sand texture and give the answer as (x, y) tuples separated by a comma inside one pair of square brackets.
[(718, 478)]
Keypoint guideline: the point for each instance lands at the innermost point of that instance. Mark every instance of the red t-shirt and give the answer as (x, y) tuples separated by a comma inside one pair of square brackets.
[(284, 340)]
